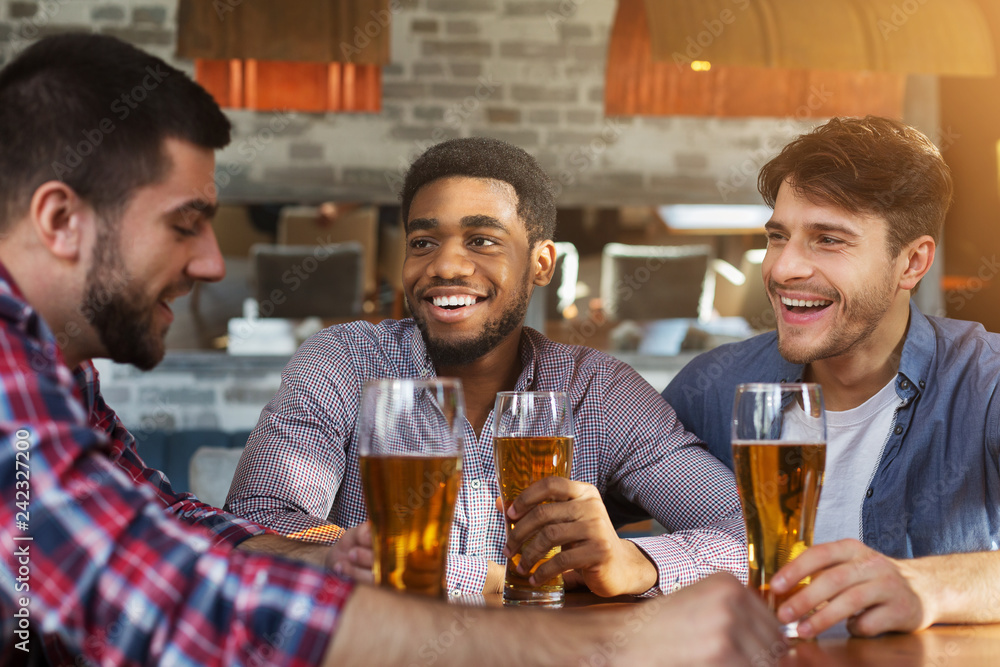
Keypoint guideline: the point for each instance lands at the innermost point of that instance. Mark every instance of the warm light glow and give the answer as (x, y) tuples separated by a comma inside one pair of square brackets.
[(265, 85), (701, 65)]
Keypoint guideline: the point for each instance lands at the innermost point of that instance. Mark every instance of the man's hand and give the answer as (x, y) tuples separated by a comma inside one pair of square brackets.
[(713, 622), (574, 517), (351, 555), (874, 592)]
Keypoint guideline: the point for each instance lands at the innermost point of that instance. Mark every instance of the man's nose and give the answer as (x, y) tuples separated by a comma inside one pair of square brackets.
[(451, 261), (207, 263), (790, 263)]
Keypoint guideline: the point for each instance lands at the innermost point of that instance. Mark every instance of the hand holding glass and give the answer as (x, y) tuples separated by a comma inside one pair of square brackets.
[(533, 439), (410, 447), (779, 455)]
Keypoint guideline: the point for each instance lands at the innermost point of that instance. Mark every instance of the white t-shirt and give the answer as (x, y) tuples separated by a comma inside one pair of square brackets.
[(854, 444)]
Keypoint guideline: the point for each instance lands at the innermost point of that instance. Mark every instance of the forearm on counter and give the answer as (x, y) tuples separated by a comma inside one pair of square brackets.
[(960, 588), (410, 629), (276, 545)]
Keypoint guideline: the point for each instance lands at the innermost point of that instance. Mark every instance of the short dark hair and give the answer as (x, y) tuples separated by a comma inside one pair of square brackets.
[(93, 112), (480, 157), (868, 165)]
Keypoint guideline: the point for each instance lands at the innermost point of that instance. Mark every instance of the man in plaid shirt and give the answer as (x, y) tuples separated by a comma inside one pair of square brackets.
[(104, 222), (480, 218)]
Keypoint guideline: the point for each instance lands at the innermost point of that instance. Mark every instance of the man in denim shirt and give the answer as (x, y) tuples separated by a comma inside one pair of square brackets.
[(909, 517)]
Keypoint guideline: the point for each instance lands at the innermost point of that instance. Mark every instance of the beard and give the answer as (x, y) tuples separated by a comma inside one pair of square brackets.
[(118, 312), (861, 317), (462, 353)]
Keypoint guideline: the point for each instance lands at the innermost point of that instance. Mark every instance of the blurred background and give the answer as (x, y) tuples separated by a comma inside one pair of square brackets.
[(652, 118)]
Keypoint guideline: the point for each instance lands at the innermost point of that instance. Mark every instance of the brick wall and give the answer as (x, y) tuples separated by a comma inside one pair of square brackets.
[(530, 72)]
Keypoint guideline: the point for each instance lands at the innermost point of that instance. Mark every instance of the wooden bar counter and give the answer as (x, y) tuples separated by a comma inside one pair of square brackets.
[(937, 646)]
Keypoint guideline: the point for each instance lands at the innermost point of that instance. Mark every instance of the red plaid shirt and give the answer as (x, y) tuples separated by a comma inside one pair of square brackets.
[(106, 575), (299, 472)]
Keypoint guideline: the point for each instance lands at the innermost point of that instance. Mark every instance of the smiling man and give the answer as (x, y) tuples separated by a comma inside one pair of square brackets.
[(912, 484), (480, 218), (103, 562)]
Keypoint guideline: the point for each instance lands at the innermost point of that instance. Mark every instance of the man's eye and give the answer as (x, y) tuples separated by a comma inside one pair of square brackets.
[(829, 240), (185, 231), (481, 242), (418, 244)]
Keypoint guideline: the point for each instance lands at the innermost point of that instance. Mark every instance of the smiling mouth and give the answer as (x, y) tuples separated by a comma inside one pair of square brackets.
[(801, 306), (454, 302)]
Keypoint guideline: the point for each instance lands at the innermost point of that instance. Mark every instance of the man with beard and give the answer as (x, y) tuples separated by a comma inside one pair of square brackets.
[(103, 561), (479, 218), (910, 506)]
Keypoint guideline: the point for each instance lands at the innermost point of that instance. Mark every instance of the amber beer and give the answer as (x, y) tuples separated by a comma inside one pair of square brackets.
[(521, 462), (411, 504), (779, 484)]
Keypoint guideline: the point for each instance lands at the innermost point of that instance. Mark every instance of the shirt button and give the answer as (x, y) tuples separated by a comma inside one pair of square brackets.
[(905, 384), (476, 483), (870, 492), (922, 384), (898, 429)]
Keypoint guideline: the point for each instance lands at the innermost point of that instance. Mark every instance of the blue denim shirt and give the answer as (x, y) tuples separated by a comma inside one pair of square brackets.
[(937, 486)]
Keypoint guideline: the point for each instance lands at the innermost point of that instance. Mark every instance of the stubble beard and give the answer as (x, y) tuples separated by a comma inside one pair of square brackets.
[(462, 353), (861, 318), (116, 310)]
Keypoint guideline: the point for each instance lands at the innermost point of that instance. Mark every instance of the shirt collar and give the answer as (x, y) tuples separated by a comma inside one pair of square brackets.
[(418, 352), (919, 349), (46, 357), (788, 371), (13, 306), (540, 365)]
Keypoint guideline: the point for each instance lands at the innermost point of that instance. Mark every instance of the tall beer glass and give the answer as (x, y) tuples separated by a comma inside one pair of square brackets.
[(410, 446), (779, 454), (532, 439)]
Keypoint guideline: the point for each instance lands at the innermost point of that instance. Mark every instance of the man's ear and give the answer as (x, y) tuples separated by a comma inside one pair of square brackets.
[(544, 259), (60, 219), (919, 256)]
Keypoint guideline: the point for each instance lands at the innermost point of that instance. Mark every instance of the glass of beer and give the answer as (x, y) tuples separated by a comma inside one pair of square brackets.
[(410, 444), (779, 454), (532, 439)]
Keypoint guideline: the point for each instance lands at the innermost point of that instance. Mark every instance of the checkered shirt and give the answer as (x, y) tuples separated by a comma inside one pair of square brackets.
[(299, 472), (112, 565)]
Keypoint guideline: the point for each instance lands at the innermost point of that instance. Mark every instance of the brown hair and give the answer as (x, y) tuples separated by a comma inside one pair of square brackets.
[(870, 165), (93, 112)]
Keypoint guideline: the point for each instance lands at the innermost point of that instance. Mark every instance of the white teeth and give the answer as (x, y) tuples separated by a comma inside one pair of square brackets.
[(802, 302), (464, 300)]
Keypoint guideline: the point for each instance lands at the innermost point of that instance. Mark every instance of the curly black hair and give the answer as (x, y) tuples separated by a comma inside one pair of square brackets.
[(481, 157)]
